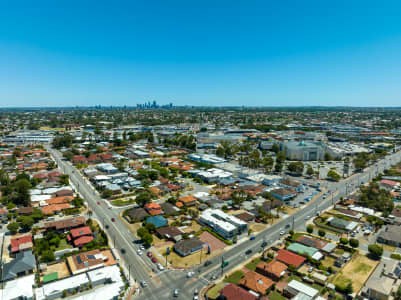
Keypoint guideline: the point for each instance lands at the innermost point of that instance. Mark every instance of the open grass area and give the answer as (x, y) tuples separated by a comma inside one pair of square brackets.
[(122, 202), (257, 227), (63, 245), (234, 277), (252, 265), (357, 271), (276, 296), (328, 261), (213, 293)]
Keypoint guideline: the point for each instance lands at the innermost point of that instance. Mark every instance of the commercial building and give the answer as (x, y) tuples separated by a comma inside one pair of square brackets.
[(225, 225), (304, 151)]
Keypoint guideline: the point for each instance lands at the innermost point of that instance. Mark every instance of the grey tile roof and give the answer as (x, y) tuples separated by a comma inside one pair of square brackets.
[(25, 261)]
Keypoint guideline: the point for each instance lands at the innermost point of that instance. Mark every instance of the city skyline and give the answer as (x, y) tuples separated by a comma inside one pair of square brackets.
[(255, 54)]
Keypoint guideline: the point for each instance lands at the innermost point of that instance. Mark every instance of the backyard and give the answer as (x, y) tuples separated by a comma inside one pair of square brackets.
[(356, 272)]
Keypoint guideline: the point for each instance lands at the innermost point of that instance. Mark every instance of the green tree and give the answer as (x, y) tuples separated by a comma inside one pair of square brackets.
[(64, 179), (309, 228), (26, 222), (143, 198), (13, 227), (321, 232), (47, 256), (147, 239), (344, 241), (309, 171), (333, 175), (375, 251), (275, 148), (296, 167), (354, 243)]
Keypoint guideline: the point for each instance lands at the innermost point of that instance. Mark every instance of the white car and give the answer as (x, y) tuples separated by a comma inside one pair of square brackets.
[(139, 252), (142, 247), (190, 274), (282, 232), (307, 217), (160, 267)]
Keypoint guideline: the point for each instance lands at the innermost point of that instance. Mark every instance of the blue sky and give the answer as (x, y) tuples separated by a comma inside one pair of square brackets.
[(255, 53)]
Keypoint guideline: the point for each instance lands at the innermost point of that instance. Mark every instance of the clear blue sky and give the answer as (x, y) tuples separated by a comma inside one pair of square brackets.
[(200, 52)]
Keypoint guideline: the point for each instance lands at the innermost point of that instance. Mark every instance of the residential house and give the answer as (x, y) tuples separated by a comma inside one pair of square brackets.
[(187, 247), (256, 282), (302, 250), (136, 214), (80, 236), (153, 209), (169, 209), (158, 221), (234, 292), (342, 224), (22, 265), (89, 260), (65, 225), (188, 200), (300, 290), (291, 184), (290, 258), (21, 243), (274, 269), (169, 233)]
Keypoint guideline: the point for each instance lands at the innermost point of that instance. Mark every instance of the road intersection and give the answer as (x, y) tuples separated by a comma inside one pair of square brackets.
[(160, 285)]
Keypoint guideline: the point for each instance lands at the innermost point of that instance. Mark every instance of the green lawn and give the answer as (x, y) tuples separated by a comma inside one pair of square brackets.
[(120, 202), (293, 277), (276, 296), (63, 245), (234, 277), (213, 293), (252, 265)]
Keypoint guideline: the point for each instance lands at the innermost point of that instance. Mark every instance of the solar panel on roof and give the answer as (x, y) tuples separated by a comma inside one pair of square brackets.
[(90, 256), (397, 272), (79, 260)]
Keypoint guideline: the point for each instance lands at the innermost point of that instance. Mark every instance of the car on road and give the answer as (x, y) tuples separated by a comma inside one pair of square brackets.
[(249, 251), (144, 283), (176, 293), (213, 277), (287, 226), (207, 263), (113, 219), (122, 250), (149, 254), (252, 238), (282, 232), (264, 244), (139, 252), (307, 217), (107, 226), (154, 260), (196, 297), (190, 274)]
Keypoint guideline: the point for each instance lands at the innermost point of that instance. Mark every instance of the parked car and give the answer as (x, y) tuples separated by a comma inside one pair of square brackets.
[(207, 263), (190, 274), (113, 219), (143, 283), (149, 254), (98, 203), (154, 260), (249, 251), (160, 267), (252, 238), (282, 232), (139, 252), (176, 293)]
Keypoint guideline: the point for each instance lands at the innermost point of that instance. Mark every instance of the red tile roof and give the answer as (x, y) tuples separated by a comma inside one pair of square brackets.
[(290, 258), (80, 231), (83, 240), (20, 243), (233, 292)]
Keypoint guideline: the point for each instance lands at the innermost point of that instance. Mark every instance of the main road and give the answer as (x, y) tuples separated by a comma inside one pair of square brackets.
[(162, 284)]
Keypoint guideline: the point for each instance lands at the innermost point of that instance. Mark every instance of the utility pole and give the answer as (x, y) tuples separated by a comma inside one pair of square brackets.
[(129, 273)]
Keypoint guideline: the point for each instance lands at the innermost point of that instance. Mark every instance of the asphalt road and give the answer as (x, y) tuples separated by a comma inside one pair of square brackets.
[(162, 284)]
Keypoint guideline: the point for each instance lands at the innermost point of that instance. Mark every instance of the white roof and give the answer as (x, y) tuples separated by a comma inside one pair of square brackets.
[(110, 272), (20, 287), (101, 177), (361, 209), (303, 288), (39, 198), (60, 285), (106, 292)]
